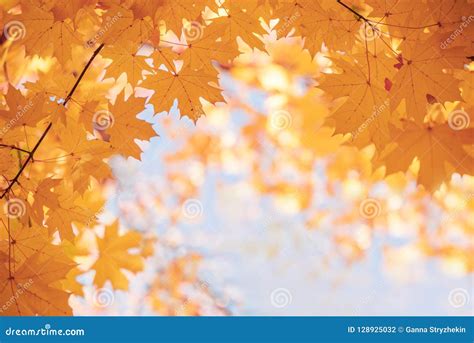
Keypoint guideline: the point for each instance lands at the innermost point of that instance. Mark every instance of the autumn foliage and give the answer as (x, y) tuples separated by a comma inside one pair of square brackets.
[(382, 91)]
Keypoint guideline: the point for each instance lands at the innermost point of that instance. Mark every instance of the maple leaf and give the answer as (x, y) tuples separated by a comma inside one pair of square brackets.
[(422, 72), (45, 36), (125, 60), (62, 217), (407, 20), (125, 127), (205, 48), (318, 23), (64, 9), (119, 25), (186, 85), (365, 111), (114, 256), (86, 156), (23, 110), (239, 20), (37, 22), (35, 264), (145, 8), (440, 150), (28, 291), (7, 161), (172, 12), (44, 196)]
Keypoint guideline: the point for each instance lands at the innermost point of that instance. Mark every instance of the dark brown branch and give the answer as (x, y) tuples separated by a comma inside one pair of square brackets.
[(30, 156), (66, 100), (358, 15), (73, 89), (12, 147)]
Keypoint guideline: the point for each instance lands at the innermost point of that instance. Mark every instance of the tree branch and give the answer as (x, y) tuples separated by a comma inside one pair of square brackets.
[(12, 147), (73, 89), (30, 156), (359, 16), (66, 100)]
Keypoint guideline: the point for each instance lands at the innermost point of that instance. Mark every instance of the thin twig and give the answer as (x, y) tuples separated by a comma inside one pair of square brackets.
[(30, 156), (96, 51), (359, 16), (12, 147)]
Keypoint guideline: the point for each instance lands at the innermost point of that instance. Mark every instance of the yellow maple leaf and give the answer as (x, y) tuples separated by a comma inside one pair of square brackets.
[(125, 60), (114, 256), (186, 85), (440, 150)]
